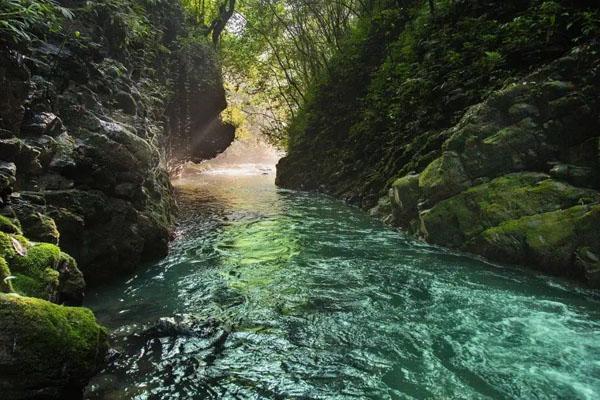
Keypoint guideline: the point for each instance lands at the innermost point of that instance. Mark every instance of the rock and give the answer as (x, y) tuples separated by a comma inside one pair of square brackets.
[(23, 155), (551, 241), (8, 225), (39, 227), (579, 176), (589, 263), (8, 172), (126, 102), (460, 219), (405, 196), (41, 123), (443, 178), (42, 270), (47, 351)]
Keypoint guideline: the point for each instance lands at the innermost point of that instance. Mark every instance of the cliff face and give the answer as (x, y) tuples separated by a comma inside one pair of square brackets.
[(85, 138), (92, 118), (475, 129)]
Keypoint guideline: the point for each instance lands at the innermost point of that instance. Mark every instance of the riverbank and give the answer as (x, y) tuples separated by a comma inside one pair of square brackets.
[(98, 108), (464, 133)]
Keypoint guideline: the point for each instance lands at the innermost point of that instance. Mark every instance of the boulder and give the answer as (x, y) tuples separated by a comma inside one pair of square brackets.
[(457, 220), (47, 351), (563, 242)]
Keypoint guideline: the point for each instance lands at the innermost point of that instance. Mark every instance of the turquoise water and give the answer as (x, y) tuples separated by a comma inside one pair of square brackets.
[(323, 302)]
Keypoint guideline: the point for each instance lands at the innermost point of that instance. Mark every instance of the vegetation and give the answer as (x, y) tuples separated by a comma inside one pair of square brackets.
[(405, 75), (20, 19)]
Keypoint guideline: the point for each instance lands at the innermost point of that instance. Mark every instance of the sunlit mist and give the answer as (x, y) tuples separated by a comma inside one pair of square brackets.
[(244, 157)]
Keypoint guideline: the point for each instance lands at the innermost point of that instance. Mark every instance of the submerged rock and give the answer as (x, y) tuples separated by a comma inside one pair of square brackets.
[(167, 355)]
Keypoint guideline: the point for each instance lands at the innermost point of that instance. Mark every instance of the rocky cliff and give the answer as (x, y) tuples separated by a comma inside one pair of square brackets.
[(474, 128), (93, 116)]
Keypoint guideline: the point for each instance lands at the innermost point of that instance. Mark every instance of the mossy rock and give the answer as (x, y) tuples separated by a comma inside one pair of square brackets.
[(40, 228), (404, 195), (550, 241), (461, 218), (7, 225), (46, 350), (5, 284), (42, 270), (443, 178)]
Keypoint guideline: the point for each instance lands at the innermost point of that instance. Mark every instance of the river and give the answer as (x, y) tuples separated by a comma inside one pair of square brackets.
[(319, 301)]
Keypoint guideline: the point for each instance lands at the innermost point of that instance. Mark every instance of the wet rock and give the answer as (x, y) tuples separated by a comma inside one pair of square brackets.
[(405, 195), (8, 172), (489, 192), (41, 123), (443, 178), (551, 241), (460, 219)]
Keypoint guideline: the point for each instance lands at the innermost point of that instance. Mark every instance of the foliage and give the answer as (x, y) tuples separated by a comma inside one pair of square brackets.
[(21, 20), (274, 49), (403, 76)]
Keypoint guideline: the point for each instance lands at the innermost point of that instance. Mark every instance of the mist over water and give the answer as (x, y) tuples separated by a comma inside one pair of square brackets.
[(322, 302), (243, 158)]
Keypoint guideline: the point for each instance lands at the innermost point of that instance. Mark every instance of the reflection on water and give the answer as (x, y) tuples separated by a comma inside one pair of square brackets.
[(322, 302)]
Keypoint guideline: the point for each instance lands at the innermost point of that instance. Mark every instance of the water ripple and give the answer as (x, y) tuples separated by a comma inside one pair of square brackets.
[(325, 303)]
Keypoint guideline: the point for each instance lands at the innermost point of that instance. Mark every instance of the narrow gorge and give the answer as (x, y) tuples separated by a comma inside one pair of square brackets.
[(299, 199)]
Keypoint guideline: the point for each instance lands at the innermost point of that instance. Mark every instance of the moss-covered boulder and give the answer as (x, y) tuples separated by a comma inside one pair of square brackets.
[(405, 195), (443, 178), (563, 242), (41, 270), (459, 219), (47, 351)]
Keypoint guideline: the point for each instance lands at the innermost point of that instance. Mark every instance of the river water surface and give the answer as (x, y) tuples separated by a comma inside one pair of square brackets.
[(323, 302)]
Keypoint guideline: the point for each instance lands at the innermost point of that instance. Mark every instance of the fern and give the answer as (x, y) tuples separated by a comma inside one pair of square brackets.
[(20, 20)]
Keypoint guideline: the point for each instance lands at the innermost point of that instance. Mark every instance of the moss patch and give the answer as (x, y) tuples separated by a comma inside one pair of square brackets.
[(463, 217), (549, 240), (5, 285), (9, 226), (46, 345)]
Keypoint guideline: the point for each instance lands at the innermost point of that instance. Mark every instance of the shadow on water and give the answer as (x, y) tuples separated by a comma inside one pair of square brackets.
[(318, 301)]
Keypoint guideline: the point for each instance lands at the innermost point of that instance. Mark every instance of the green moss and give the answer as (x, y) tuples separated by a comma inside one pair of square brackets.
[(36, 273), (9, 226), (38, 257), (443, 178), (548, 240), (5, 285), (49, 344), (7, 249), (510, 197)]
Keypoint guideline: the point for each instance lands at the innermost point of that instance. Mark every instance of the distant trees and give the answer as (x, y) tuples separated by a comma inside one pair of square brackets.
[(275, 49), (212, 15)]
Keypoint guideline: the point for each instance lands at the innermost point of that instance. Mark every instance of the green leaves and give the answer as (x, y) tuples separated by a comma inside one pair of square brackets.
[(21, 20)]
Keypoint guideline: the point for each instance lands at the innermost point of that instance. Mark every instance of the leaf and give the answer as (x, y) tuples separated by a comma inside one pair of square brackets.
[(18, 246)]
